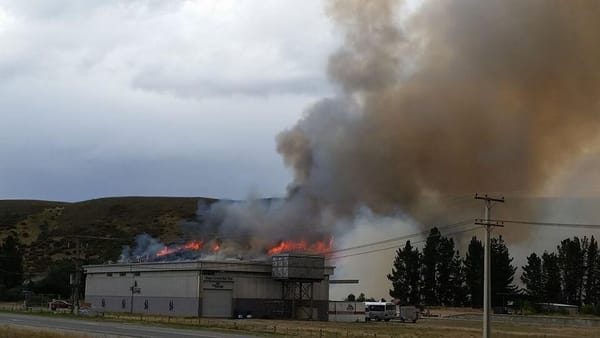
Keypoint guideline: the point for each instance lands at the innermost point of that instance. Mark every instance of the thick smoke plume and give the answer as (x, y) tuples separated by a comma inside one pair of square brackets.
[(461, 97), (435, 103)]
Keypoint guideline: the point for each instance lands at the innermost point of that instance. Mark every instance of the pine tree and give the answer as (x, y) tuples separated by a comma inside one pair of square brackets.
[(405, 276), (474, 272), (551, 285), (430, 267), (502, 270), (571, 263), (11, 263), (457, 281), (450, 275), (532, 277), (592, 273)]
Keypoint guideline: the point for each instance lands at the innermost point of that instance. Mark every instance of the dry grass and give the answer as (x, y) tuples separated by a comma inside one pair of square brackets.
[(450, 311), (425, 328), (14, 332)]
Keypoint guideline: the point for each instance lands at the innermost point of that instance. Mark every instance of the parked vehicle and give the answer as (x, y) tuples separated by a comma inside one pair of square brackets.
[(408, 314), (56, 304), (379, 311)]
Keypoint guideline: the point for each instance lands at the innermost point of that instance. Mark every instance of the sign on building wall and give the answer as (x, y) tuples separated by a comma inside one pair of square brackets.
[(218, 283)]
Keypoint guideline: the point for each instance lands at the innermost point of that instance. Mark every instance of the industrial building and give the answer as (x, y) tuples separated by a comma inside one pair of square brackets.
[(285, 286)]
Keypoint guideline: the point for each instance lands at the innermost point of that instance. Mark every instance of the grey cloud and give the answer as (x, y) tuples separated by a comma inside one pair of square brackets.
[(202, 86), (70, 177)]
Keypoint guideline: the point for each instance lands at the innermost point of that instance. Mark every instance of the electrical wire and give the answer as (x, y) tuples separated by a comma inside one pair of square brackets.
[(396, 247), (401, 238), (551, 224)]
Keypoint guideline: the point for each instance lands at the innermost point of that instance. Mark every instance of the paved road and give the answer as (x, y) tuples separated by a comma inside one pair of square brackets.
[(104, 328)]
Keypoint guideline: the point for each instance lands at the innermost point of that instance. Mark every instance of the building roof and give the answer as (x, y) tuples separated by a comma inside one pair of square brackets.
[(213, 265)]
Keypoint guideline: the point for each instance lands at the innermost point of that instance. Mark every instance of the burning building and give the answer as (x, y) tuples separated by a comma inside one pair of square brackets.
[(282, 286), (432, 104)]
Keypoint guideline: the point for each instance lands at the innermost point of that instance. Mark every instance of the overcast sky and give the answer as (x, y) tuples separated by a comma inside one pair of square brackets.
[(182, 98)]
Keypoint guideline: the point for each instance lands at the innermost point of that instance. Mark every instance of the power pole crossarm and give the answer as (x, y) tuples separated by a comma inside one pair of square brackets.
[(487, 223)]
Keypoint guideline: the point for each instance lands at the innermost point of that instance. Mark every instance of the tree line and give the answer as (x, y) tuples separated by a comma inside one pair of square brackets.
[(438, 275), (571, 275), (14, 282)]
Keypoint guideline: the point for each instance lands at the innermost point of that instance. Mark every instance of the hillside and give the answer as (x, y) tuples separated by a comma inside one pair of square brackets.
[(44, 227)]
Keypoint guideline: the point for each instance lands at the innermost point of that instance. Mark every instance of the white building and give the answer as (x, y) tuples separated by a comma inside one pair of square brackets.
[(288, 286)]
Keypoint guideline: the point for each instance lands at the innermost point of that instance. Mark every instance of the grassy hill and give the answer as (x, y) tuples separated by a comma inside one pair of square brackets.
[(44, 227)]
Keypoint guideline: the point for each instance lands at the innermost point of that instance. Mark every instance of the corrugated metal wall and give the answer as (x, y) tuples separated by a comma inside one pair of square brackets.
[(180, 293)]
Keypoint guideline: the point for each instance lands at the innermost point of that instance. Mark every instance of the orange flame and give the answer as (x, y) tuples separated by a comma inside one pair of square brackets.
[(193, 245), (290, 246), (216, 247)]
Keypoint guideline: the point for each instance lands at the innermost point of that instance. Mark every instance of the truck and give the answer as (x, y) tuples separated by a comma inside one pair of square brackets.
[(407, 314)]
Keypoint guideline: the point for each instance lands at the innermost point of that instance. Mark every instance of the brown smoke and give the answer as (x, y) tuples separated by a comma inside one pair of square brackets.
[(464, 96)]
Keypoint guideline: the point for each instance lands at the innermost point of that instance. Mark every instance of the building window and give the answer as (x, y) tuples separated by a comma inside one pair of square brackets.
[(109, 274), (122, 274)]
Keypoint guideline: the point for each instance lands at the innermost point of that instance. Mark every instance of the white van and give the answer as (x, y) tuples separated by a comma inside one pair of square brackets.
[(379, 311)]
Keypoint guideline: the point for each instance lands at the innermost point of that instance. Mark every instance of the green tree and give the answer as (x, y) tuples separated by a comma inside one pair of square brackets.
[(405, 276), (450, 276), (532, 277), (551, 285), (592, 273), (57, 279), (502, 270), (361, 298), (473, 271), (571, 263), (11, 263), (430, 266)]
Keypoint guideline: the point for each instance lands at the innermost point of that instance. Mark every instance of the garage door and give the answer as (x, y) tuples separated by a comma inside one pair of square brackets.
[(217, 303)]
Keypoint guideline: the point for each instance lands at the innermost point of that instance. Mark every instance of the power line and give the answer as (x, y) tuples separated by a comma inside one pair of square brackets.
[(396, 247), (552, 224), (400, 238)]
